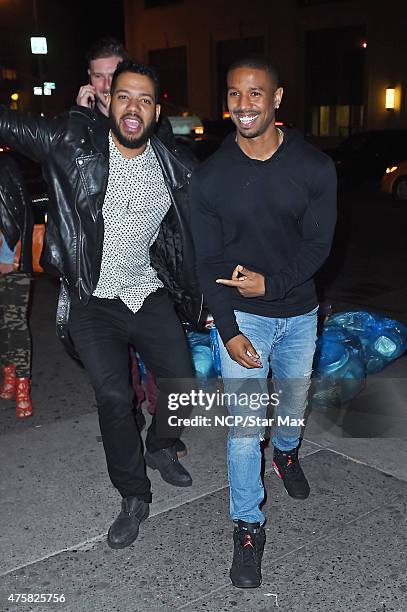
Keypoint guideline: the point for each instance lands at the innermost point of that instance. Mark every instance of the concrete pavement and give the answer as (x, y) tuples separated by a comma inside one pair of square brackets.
[(342, 550)]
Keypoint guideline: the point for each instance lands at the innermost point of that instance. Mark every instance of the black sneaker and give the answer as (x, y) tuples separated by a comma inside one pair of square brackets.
[(125, 528), (166, 462), (287, 467), (249, 540)]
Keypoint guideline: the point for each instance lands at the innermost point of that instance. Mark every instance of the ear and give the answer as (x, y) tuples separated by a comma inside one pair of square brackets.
[(278, 94), (157, 111)]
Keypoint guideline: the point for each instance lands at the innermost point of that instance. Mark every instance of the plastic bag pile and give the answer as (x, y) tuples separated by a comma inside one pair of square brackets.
[(352, 345)]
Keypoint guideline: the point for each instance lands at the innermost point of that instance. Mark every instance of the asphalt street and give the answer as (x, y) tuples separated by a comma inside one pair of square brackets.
[(342, 550)]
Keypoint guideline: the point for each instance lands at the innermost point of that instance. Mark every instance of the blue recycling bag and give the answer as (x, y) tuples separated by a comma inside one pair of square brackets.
[(339, 368), (382, 339), (352, 345), (200, 346)]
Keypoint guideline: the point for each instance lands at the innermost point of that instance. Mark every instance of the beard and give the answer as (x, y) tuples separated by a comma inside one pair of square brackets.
[(128, 141)]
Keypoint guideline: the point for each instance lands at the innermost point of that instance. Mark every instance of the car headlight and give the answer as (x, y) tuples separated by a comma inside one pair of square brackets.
[(391, 169), (198, 130)]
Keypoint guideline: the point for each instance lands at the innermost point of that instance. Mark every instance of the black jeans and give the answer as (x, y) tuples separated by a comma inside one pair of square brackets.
[(102, 331)]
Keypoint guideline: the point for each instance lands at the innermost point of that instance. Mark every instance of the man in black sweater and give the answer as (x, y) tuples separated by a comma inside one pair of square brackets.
[(263, 216)]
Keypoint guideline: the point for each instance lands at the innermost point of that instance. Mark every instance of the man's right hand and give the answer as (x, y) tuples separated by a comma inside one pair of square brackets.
[(86, 96), (243, 352)]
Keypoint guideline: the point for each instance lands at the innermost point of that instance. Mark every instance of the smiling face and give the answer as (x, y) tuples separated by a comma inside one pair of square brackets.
[(252, 98), (100, 76), (133, 111)]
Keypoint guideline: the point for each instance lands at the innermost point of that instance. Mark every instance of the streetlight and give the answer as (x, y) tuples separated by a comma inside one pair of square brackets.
[(14, 100), (39, 47)]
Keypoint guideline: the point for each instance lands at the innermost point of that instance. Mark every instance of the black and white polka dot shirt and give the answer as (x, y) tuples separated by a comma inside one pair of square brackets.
[(135, 204)]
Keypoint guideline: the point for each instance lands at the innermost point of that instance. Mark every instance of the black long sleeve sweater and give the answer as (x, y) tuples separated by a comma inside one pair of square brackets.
[(276, 217)]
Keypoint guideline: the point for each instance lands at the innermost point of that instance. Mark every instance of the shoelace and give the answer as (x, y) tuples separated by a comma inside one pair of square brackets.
[(293, 464), (248, 550)]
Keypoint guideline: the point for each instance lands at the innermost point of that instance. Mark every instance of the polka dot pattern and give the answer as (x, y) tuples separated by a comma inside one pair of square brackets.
[(136, 201)]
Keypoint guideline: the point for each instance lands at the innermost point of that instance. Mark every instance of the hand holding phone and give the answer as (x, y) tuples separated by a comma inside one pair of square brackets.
[(86, 96)]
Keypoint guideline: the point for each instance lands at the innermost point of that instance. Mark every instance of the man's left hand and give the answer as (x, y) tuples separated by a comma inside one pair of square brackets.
[(248, 283)]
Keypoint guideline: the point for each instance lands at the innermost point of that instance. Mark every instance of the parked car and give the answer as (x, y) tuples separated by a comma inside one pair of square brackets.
[(186, 125), (366, 155), (198, 136), (394, 181)]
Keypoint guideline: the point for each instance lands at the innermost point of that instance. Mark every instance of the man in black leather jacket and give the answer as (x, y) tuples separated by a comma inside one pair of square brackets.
[(102, 59), (88, 169)]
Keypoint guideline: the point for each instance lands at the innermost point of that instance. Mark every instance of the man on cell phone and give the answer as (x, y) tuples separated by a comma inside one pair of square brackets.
[(102, 58)]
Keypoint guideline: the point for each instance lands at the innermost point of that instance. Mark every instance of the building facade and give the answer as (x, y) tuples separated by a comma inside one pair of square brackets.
[(337, 58)]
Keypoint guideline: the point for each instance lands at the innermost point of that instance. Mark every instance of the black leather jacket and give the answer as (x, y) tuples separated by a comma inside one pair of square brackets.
[(74, 153), (15, 211)]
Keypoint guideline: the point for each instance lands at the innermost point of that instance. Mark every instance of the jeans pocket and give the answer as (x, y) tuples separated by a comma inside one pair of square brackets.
[(312, 312)]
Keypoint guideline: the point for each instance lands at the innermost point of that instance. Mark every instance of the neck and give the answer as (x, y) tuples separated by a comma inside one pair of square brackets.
[(125, 151), (261, 147), (103, 110)]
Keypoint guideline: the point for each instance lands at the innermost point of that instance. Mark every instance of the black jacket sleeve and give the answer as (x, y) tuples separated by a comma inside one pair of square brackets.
[(208, 239), (317, 228), (28, 134)]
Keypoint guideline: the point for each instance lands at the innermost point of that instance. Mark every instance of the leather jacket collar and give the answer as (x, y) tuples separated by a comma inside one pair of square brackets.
[(175, 173)]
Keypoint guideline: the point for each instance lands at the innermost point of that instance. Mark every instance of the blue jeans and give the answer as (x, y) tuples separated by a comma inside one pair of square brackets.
[(288, 345)]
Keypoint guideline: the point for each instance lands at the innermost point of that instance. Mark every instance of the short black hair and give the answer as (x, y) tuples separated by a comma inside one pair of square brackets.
[(132, 65), (106, 47), (258, 62)]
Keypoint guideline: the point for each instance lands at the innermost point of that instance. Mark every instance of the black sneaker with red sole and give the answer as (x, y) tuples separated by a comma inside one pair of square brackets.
[(287, 467)]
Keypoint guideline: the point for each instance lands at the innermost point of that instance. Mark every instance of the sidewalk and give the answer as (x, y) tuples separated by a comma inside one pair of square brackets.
[(342, 550)]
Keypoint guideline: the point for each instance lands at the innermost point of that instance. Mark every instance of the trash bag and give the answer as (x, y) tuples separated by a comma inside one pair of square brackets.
[(200, 345), (339, 368), (382, 339), (213, 336)]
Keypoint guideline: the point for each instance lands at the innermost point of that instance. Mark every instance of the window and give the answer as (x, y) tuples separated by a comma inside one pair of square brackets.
[(8, 73), (336, 120), (334, 81), (171, 65)]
